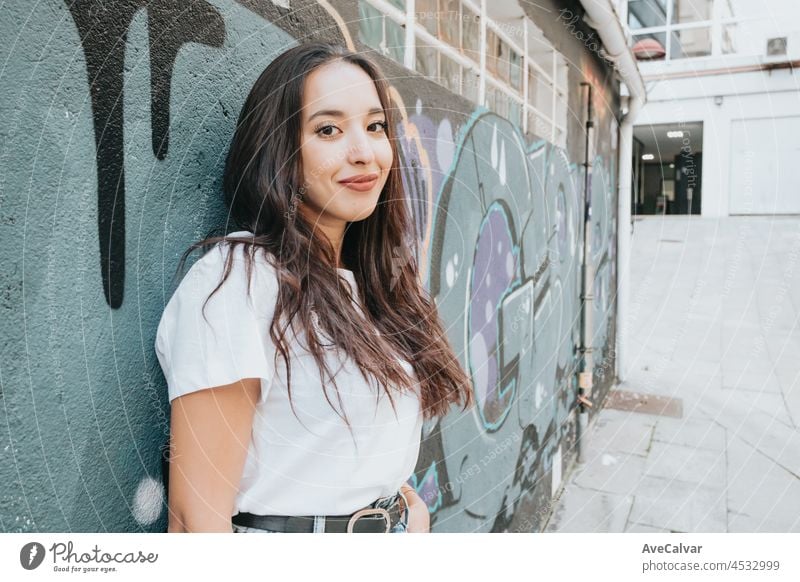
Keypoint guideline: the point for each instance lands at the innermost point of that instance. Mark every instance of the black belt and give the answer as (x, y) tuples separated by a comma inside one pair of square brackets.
[(367, 520)]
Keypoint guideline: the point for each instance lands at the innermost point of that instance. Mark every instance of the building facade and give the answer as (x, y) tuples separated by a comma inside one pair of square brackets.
[(722, 122)]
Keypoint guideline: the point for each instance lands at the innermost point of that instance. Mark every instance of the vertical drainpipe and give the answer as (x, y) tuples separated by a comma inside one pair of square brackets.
[(624, 233), (585, 376), (601, 16)]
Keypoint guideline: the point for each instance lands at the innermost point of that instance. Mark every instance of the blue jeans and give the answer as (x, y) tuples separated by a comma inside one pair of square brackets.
[(384, 502)]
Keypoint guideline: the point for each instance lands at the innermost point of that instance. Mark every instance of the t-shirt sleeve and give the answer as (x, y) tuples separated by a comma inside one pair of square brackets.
[(226, 341)]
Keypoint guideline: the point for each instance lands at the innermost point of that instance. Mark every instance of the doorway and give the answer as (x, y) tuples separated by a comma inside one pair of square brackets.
[(762, 177), (667, 168)]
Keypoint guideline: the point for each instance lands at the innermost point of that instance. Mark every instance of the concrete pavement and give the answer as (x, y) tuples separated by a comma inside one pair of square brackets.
[(714, 326)]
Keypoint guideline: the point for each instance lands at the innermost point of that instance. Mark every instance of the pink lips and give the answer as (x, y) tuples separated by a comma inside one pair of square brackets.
[(360, 183)]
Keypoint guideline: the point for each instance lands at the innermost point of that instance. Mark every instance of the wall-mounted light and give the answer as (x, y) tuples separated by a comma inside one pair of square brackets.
[(674, 134), (672, 165), (648, 156), (717, 100)]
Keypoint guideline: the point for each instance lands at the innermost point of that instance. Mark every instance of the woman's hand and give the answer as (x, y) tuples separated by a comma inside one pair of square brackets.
[(419, 520)]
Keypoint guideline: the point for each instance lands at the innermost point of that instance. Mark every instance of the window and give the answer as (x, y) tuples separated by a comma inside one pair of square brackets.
[(525, 84), (547, 89), (690, 42), (427, 60), (492, 51), (427, 14), (381, 32), (370, 25), (470, 34), (670, 29), (646, 13), (683, 29), (450, 22), (562, 75), (684, 11), (449, 73), (515, 71), (470, 85)]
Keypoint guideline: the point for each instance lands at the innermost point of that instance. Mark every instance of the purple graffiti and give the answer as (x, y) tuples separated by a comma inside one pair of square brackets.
[(494, 268)]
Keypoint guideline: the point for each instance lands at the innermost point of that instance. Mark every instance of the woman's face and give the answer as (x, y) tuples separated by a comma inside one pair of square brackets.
[(345, 151)]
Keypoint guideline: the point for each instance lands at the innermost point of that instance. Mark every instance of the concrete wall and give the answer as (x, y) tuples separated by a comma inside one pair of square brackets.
[(113, 132)]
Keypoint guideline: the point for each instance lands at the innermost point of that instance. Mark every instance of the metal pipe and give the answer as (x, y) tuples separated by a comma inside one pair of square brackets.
[(601, 16), (585, 377), (771, 66), (604, 19), (624, 234)]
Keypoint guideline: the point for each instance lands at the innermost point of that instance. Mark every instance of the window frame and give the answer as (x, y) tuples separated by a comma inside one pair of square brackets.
[(417, 34)]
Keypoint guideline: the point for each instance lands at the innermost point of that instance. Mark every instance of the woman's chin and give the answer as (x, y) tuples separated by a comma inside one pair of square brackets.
[(359, 214)]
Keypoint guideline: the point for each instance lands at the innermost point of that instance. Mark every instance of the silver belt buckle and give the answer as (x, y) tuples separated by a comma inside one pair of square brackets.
[(369, 511)]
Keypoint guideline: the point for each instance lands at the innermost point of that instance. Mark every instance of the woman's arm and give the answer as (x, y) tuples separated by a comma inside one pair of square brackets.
[(210, 436), (419, 520)]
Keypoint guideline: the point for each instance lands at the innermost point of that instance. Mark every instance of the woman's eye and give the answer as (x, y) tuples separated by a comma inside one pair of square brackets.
[(326, 130), (329, 130)]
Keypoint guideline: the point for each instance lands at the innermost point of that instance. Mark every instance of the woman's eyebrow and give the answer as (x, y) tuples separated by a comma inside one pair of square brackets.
[(337, 113)]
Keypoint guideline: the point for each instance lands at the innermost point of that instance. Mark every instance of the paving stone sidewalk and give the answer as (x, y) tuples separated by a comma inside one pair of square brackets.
[(714, 325)]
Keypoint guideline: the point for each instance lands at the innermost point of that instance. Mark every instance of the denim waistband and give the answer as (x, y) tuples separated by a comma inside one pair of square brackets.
[(387, 501)]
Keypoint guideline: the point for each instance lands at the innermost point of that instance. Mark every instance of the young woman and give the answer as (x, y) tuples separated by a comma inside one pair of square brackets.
[(301, 352)]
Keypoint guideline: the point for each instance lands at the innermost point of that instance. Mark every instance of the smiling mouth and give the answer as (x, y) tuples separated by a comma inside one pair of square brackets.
[(361, 178), (361, 184)]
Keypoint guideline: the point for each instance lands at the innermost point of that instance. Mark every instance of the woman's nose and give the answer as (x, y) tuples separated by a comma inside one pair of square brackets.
[(360, 149)]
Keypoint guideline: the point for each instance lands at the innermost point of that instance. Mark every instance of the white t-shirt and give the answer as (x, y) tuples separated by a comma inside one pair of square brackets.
[(313, 468)]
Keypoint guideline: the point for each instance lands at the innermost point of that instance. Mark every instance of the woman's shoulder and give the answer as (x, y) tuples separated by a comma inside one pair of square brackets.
[(211, 277), (213, 329), (235, 248)]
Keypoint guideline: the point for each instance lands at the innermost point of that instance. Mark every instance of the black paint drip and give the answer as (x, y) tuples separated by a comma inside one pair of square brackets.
[(103, 27)]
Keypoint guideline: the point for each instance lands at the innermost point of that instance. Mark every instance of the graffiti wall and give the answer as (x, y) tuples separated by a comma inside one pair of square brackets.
[(115, 121)]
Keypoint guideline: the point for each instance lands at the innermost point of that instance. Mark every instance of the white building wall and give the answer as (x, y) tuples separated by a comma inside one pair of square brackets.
[(747, 95)]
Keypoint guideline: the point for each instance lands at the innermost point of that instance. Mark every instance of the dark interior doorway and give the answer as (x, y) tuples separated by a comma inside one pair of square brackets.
[(667, 168)]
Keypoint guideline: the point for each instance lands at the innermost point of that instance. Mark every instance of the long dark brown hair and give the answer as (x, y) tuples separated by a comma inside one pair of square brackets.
[(262, 186)]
